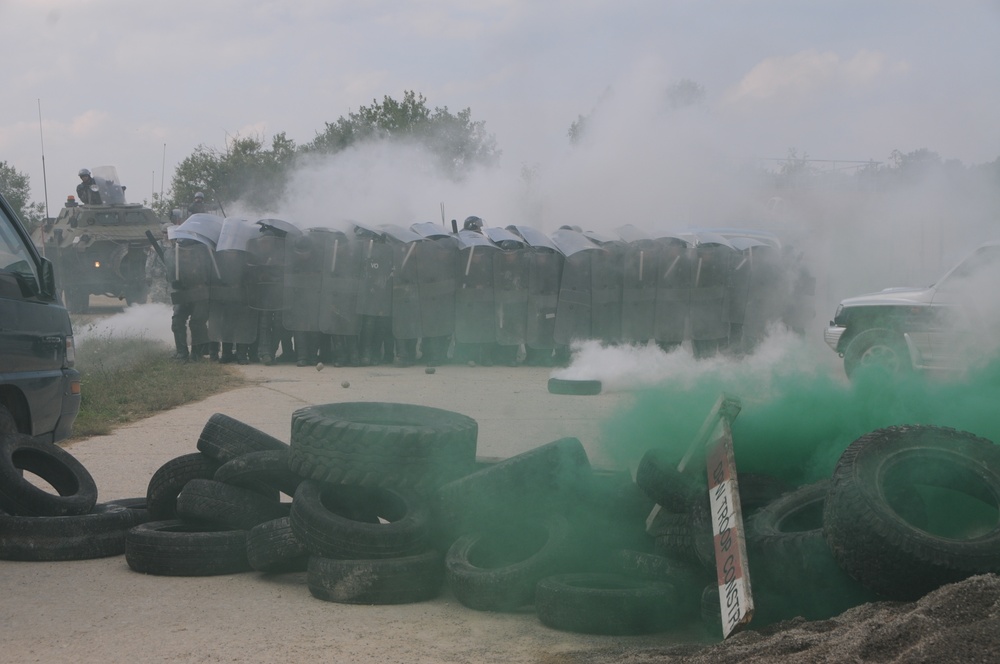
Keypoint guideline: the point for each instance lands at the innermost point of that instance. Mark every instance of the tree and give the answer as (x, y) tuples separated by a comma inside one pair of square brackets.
[(458, 141), (244, 171), (16, 187)]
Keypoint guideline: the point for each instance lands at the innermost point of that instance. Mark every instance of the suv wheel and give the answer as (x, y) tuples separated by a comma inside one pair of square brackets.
[(877, 348)]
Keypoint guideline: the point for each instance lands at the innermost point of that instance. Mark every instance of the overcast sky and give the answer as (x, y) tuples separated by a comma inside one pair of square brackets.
[(139, 85)]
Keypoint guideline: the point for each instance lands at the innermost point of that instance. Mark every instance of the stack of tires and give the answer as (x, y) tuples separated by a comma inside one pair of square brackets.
[(907, 509), (544, 529), (359, 476), (36, 524)]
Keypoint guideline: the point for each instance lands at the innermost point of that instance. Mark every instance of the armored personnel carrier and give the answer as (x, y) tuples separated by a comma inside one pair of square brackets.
[(100, 249)]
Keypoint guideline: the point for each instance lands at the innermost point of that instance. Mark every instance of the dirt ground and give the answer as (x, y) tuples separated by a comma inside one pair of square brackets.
[(101, 611)]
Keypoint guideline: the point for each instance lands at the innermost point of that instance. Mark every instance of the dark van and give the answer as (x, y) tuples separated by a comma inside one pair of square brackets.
[(39, 388)]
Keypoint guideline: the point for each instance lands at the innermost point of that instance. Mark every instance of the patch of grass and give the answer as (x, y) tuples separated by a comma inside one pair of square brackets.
[(125, 379)]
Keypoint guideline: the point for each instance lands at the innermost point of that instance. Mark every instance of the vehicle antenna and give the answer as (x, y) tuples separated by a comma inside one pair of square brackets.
[(45, 184), (163, 169)]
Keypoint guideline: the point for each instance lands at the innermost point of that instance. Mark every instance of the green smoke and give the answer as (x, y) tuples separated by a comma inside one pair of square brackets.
[(795, 423)]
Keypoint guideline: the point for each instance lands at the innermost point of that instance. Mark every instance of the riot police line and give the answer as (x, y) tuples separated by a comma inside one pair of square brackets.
[(371, 295)]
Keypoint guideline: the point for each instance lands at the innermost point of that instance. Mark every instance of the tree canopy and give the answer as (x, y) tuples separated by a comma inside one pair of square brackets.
[(16, 188), (458, 142), (248, 170)]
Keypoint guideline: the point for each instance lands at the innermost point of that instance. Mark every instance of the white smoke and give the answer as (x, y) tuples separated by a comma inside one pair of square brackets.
[(627, 368), (146, 321)]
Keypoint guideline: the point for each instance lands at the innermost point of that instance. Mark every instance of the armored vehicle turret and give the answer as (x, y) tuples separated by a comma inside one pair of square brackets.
[(100, 249)]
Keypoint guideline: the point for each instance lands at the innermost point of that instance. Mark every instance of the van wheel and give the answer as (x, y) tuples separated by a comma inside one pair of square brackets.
[(877, 348)]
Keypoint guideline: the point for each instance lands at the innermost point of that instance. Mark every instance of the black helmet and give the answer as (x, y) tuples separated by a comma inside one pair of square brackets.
[(199, 195), (472, 224), (84, 173)]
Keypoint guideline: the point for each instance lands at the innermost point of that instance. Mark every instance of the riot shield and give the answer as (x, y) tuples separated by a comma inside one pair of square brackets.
[(673, 290), (230, 318), (709, 289), (437, 266), (574, 307), (375, 282), (640, 267), (304, 259), (406, 320), (510, 286), (265, 272), (189, 267), (544, 264), (475, 307), (606, 290), (339, 284)]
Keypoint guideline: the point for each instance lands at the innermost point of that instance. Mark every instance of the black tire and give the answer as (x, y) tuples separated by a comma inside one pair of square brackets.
[(77, 491), (603, 604), (497, 570), (673, 536), (685, 579), (877, 348), (224, 438), (272, 547), (400, 446), (99, 534), (404, 580), (759, 490), (574, 387), (551, 478), (170, 478), (345, 521), (265, 470), (791, 562), (233, 507), (873, 537), (176, 548), (666, 486)]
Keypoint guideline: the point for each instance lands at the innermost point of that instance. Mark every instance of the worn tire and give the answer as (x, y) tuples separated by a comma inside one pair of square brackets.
[(168, 480), (603, 604), (400, 446), (77, 491), (883, 549), (177, 548), (98, 534), (265, 471), (273, 547), (233, 507), (224, 438), (791, 561), (686, 579), (574, 387), (666, 486), (343, 521), (498, 569), (404, 580), (673, 536), (550, 478)]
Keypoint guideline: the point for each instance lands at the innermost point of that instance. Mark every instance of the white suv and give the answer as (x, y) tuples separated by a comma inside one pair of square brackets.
[(901, 329)]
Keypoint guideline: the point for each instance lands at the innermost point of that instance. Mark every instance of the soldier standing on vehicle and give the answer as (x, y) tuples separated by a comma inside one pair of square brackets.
[(198, 204), (86, 191)]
